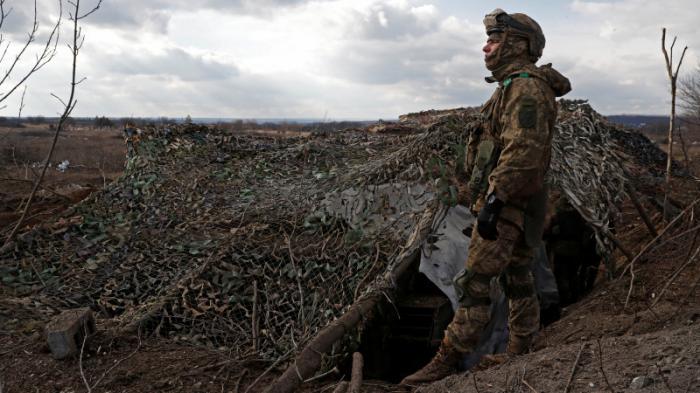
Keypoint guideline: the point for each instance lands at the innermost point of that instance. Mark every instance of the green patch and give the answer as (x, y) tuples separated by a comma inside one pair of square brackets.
[(527, 114)]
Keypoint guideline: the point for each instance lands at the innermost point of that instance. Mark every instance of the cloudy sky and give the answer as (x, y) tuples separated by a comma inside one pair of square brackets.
[(338, 59)]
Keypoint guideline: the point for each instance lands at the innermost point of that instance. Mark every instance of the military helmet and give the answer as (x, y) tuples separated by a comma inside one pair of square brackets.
[(499, 21)]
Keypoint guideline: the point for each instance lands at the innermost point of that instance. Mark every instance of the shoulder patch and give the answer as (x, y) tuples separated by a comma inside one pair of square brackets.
[(527, 112)]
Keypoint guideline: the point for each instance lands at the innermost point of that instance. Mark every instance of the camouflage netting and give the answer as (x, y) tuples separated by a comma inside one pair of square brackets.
[(255, 243)]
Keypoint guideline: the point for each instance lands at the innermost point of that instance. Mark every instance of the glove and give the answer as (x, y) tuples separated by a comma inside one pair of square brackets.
[(488, 217)]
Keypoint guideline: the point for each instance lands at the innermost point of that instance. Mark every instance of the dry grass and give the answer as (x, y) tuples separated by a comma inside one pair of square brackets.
[(96, 157)]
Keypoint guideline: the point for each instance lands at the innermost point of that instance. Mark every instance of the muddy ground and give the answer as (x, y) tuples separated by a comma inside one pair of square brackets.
[(600, 344)]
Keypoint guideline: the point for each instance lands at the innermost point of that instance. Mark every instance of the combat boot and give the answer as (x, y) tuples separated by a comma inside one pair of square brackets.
[(445, 363)]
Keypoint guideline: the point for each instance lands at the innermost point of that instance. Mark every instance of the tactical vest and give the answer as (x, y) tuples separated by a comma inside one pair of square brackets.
[(530, 215), (488, 150)]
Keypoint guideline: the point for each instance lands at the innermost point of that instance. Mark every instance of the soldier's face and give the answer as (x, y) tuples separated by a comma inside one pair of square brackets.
[(490, 50)]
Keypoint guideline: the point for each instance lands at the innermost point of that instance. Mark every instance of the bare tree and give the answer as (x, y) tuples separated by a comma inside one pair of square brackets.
[(689, 96), (68, 105), (673, 77), (10, 81)]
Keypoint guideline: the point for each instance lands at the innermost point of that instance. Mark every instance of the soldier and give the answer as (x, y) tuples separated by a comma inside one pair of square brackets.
[(507, 161)]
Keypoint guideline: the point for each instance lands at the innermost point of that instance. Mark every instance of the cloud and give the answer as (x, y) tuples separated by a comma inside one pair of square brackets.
[(19, 19), (371, 59), (386, 21), (395, 43), (629, 20), (350, 58), (155, 15), (169, 63), (135, 15), (618, 52)]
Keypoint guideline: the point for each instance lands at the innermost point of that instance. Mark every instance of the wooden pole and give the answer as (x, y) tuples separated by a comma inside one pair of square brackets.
[(358, 364), (642, 213)]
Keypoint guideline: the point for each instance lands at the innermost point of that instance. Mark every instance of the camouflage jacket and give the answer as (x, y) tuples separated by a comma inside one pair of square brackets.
[(519, 119)]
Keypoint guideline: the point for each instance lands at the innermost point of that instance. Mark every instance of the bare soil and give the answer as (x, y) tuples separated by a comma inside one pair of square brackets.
[(96, 157)]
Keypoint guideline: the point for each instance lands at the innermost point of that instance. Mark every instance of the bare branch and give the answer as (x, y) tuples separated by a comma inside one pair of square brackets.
[(80, 360), (671, 49), (675, 275), (3, 15), (573, 369), (104, 374), (59, 99), (97, 7), (4, 53), (43, 58), (30, 38), (675, 75), (602, 370), (21, 103), (663, 48), (68, 109), (82, 41)]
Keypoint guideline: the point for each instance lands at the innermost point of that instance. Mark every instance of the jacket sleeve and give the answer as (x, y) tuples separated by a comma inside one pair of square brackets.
[(526, 137)]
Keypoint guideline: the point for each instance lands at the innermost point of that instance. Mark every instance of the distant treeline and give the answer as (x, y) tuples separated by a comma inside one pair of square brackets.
[(638, 120), (657, 126), (233, 125), (97, 121)]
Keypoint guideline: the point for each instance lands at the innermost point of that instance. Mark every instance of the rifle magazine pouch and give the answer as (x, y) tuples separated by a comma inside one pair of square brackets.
[(534, 218)]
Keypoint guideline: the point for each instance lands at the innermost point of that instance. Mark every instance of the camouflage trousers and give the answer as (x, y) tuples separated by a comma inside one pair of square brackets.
[(510, 258)]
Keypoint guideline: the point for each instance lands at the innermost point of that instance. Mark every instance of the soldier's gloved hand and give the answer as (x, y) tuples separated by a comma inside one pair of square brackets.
[(488, 217)]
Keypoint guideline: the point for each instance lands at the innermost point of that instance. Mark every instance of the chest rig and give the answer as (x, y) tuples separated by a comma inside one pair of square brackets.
[(487, 143)]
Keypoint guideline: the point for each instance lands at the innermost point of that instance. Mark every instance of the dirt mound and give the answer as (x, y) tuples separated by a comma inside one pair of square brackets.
[(242, 247)]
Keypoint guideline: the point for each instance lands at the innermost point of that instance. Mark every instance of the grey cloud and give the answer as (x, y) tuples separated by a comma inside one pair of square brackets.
[(609, 94), (18, 21), (390, 62), (20, 17), (397, 43), (132, 15), (175, 62), (155, 15)]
